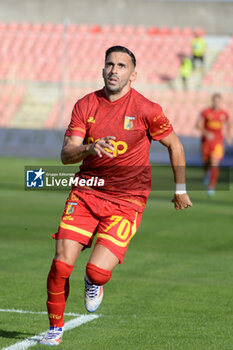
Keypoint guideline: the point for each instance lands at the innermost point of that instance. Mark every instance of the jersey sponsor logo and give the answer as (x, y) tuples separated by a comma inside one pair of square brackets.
[(35, 178), (129, 122), (91, 120), (214, 124), (120, 147)]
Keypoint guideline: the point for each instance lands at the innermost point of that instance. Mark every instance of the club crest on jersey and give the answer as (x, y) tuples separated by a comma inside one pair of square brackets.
[(70, 208), (129, 122)]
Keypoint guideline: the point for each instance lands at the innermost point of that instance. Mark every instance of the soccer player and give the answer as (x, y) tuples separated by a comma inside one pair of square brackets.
[(198, 45), (186, 71), (111, 131), (210, 123)]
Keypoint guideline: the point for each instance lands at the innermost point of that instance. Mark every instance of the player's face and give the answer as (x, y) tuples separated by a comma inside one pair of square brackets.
[(118, 72)]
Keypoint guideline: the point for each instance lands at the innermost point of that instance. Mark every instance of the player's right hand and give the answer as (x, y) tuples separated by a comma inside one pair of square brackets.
[(102, 146)]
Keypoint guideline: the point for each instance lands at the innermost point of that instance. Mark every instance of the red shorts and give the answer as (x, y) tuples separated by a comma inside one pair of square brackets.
[(212, 150), (86, 215)]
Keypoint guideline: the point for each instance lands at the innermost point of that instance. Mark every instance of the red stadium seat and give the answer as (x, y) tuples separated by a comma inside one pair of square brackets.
[(153, 31), (36, 27), (95, 29), (48, 28), (187, 31), (164, 31), (199, 31), (3, 26), (175, 31), (140, 30), (83, 28)]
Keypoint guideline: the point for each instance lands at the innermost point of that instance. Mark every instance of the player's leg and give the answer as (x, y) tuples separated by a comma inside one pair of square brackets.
[(193, 63), (185, 85), (214, 176), (67, 252), (113, 237), (206, 152), (216, 157), (202, 60), (98, 272), (75, 231)]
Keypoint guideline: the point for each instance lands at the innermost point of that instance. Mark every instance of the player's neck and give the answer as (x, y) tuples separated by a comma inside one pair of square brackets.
[(112, 97)]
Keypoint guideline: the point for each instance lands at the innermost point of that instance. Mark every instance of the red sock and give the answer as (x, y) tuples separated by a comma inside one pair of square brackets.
[(58, 291), (96, 275), (214, 177)]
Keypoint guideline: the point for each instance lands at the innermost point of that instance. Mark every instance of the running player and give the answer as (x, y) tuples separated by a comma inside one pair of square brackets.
[(111, 131), (210, 123)]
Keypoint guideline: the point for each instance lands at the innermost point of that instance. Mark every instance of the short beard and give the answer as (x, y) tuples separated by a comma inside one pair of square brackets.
[(113, 90)]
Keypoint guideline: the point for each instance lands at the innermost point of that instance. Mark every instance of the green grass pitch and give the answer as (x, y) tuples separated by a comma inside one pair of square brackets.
[(173, 291)]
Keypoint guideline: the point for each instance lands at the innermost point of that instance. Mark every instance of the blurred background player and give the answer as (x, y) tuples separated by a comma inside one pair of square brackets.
[(198, 48), (186, 71), (210, 123)]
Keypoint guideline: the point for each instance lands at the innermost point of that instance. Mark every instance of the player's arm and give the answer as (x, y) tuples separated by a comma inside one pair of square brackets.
[(176, 153), (228, 131), (200, 126), (73, 151)]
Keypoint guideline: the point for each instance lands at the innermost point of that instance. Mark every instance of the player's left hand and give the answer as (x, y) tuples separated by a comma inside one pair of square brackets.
[(181, 201)]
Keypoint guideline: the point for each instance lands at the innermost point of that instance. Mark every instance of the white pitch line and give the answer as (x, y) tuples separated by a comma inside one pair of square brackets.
[(27, 343), (36, 312)]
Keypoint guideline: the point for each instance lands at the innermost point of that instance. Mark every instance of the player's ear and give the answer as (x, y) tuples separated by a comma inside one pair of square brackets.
[(133, 76), (103, 72)]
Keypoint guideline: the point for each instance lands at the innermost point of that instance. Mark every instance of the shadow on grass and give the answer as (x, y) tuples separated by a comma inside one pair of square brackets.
[(14, 335)]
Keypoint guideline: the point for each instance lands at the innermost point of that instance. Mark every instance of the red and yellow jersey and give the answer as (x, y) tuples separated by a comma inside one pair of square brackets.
[(134, 121), (214, 121)]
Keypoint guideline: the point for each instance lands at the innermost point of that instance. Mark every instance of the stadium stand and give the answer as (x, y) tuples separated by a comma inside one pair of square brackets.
[(11, 98), (47, 53), (221, 73), (45, 68)]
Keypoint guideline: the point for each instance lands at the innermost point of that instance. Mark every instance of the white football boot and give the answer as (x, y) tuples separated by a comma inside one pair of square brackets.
[(93, 296), (53, 336)]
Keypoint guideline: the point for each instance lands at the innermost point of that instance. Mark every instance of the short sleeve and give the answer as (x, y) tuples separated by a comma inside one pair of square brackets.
[(77, 125), (159, 125)]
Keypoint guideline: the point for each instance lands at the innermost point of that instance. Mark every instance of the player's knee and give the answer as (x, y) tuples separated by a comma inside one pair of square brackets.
[(96, 275), (60, 269)]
